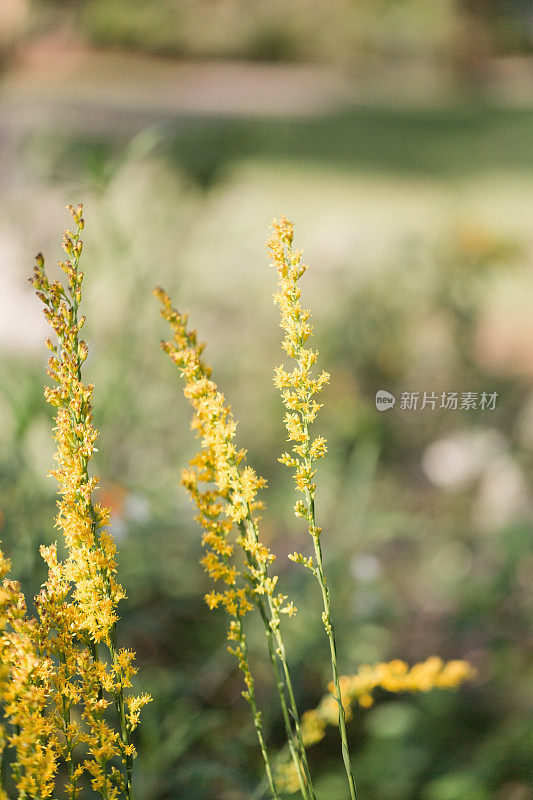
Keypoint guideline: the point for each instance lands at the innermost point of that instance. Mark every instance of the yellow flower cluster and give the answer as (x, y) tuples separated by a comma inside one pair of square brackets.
[(224, 491), (25, 684), (299, 387), (91, 565), (394, 676), (56, 688)]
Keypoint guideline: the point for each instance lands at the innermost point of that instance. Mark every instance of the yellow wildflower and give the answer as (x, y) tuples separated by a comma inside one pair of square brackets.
[(300, 386), (54, 665), (298, 390), (232, 496), (393, 676), (225, 491)]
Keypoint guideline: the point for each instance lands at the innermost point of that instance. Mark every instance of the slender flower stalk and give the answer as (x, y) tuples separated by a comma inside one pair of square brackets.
[(298, 389), (271, 619), (240, 650), (230, 502)]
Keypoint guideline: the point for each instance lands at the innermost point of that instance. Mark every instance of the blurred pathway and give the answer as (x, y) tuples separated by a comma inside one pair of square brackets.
[(54, 75)]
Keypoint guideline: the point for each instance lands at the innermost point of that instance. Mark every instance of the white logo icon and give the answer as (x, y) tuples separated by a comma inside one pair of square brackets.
[(384, 400)]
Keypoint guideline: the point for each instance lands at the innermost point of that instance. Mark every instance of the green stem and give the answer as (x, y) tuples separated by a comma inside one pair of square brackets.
[(330, 631), (249, 694), (319, 570), (277, 653), (296, 752)]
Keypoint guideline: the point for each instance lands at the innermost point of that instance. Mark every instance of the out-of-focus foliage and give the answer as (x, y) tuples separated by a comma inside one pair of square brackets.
[(305, 29), (459, 34), (316, 30)]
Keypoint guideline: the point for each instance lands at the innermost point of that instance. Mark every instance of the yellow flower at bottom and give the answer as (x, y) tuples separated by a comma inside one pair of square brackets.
[(393, 676)]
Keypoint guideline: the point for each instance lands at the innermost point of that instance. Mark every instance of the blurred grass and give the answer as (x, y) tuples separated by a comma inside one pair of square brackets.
[(450, 142)]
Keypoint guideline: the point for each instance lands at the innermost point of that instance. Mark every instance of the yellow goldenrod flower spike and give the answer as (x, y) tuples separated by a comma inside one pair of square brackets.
[(300, 386), (91, 564), (298, 391), (394, 676), (225, 491), (77, 606)]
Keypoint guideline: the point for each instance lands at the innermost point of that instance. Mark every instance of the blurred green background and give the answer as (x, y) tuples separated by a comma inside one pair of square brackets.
[(398, 135)]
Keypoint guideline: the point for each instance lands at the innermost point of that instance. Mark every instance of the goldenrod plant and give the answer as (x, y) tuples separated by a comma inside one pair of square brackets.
[(225, 493), (224, 490), (68, 713), (64, 681), (299, 389)]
